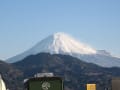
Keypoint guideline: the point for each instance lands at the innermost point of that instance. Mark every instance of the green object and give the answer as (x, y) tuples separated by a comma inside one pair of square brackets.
[(45, 83)]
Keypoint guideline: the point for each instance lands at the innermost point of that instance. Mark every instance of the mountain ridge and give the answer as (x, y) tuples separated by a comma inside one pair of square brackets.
[(72, 70), (11, 75), (75, 72)]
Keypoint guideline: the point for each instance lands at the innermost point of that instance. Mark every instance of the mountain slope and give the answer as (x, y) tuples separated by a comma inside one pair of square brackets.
[(61, 43), (11, 75), (74, 72)]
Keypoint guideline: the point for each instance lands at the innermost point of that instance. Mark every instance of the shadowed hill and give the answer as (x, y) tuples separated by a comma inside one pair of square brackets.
[(75, 72), (11, 76)]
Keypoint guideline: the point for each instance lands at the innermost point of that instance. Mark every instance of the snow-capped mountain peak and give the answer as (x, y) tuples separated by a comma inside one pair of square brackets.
[(60, 43)]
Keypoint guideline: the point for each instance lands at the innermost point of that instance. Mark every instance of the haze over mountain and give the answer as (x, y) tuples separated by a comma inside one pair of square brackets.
[(61, 43)]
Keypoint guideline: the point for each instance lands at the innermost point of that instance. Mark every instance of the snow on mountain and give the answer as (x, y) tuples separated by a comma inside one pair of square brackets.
[(60, 43), (103, 52)]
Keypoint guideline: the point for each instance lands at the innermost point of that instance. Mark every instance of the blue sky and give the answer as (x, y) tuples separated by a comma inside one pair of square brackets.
[(23, 23)]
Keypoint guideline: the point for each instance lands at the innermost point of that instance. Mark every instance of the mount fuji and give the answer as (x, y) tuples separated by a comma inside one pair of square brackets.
[(61, 43)]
